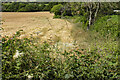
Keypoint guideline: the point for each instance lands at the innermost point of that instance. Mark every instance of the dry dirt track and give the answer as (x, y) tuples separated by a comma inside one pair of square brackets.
[(40, 24)]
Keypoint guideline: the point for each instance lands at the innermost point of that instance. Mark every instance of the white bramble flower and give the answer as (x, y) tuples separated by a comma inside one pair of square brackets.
[(30, 77), (17, 54)]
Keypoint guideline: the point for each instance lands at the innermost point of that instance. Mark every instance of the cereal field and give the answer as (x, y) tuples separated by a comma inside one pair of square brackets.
[(39, 24)]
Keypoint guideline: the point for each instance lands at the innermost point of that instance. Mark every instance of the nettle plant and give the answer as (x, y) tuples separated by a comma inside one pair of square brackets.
[(23, 59)]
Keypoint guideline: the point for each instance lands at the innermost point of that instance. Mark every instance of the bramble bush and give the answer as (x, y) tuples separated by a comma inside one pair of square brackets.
[(45, 61)]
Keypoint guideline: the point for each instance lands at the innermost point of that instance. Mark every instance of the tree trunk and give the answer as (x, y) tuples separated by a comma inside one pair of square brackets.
[(90, 17), (96, 11)]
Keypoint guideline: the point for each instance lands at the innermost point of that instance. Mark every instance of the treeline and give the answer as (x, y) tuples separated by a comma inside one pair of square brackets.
[(28, 7), (99, 16), (88, 13), (62, 8)]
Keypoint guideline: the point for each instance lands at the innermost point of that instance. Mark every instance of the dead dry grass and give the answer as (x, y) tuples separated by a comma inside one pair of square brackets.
[(40, 24)]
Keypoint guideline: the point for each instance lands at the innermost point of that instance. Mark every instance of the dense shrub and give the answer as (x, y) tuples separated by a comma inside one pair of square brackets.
[(22, 10), (57, 9), (81, 20), (67, 13), (38, 61), (41, 7), (47, 8), (107, 25), (22, 7), (12, 8), (27, 7)]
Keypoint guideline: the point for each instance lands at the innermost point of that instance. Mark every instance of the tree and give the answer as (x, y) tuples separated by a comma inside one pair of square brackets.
[(29, 7), (57, 9), (66, 10), (47, 8), (92, 10), (41, 7)]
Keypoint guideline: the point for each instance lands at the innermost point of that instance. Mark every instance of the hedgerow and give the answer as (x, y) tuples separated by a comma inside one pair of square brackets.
[(47, 62)]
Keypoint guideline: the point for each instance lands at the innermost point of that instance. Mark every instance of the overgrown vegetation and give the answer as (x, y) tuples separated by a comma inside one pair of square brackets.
[(38, 61), (98, 61)]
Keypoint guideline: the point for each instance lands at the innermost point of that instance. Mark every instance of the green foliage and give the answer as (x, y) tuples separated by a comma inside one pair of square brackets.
[(67, 13), (22, 9), (56, 16), (11, 8), (19, 7), (57, 9), (27, 7), (83, 10), (38, 61), (41, 7), (47, 8), (82, 20), (107, 25), (107, 8)]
